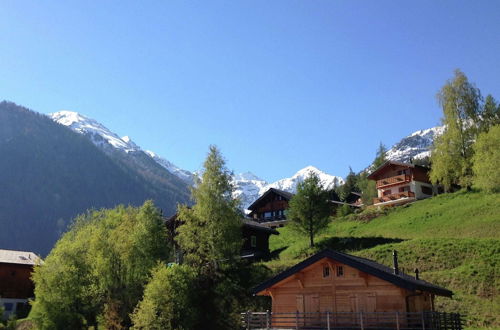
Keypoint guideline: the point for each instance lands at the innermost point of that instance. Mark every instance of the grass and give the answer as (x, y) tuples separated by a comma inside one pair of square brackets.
[(453, 239)]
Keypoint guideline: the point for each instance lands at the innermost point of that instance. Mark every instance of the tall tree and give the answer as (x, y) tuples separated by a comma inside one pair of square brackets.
[(212, 227), (309, 209), (381, 156), (368, 187), (452, 151), (486, 160)]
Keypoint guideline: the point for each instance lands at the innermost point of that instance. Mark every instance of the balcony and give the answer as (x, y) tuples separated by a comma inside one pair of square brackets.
[(403, 178), (394, 197)]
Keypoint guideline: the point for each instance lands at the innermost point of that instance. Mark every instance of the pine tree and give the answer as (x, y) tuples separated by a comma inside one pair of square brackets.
[(380, 157), (490, 114), (309, 209), (212, 227), (368, 187), (350, 185), (452, 152)]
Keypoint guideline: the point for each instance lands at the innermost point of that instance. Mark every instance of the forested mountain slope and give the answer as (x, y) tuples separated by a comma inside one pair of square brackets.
[(49, 174)]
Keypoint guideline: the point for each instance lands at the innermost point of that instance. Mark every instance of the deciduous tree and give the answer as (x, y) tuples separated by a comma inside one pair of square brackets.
[(486, 160)]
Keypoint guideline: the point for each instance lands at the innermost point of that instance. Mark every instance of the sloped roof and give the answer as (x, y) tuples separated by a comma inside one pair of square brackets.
[(19, 257), (392, 162), (283, 193), (258, 226), (368, 266)]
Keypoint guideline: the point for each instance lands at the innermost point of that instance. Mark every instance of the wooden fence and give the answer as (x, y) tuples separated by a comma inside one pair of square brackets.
[(361, 320)]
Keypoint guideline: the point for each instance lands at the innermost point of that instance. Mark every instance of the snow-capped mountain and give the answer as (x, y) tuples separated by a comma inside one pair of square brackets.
[(184, 175), (98, 133), (106, 139), (414, 146), (249, 187)]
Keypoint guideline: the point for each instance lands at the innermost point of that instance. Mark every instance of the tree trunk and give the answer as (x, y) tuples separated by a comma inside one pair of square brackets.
[(311, 239)]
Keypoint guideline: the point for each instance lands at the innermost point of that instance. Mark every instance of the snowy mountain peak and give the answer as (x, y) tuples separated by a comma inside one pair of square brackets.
[(414, 146), (247, 176), (98, 133), (290, 184)]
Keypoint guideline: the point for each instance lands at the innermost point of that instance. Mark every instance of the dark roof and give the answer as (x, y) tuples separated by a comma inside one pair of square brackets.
[(285, 195), (257, 226), (368, 266), (169, 222), (392, 162)]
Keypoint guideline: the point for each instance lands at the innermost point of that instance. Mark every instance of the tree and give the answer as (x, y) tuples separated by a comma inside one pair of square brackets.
[(170, 299), (368, 187), (452, 152), (212, 227), (486, 159), (210, 239), (97, 270), (490, 114), (350, 185), (309, 209), (380, 157)]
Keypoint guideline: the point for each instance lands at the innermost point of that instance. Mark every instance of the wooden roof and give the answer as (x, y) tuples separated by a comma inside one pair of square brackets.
[(391, 162), (286, 195), (365, 265), (19, 257)]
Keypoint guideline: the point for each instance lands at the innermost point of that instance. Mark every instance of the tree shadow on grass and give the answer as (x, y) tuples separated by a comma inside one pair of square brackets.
[(353, 243)]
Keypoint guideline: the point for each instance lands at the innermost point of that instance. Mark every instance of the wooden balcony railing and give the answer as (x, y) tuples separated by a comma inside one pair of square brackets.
[(360, 320), (403, 178), (393, 197)]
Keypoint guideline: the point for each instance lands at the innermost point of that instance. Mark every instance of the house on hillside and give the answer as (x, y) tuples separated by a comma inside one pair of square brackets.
[(16, 286), (337, 290), (399, 183), (269, 209), (255, 237)]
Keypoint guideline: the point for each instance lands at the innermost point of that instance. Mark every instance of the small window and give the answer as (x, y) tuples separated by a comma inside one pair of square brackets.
[(340, 271), (253, 241), (387, 192), (426, 190), (8, 307), (326, 271), (403, 189)]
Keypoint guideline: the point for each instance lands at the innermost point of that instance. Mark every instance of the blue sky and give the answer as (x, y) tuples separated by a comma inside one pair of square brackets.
[(277, 85)]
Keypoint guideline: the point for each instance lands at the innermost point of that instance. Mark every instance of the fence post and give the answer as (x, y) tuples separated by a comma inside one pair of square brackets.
[(296, 319), (361, 321), (267, 319), (397, 320), (328, 320), (248, 320), (423, 321)]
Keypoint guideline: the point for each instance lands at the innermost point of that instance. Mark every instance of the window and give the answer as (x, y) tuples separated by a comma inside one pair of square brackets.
[(268, 215), (253, 241), (340, 271), (405, 188), (387, 192), (326, 271), (8, 307), (426, 190)]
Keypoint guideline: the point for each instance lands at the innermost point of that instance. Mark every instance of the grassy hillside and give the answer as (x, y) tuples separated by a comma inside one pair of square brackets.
[(454, 240)]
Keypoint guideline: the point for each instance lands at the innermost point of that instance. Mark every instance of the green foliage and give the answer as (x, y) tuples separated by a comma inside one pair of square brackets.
[(170, 300), (350, 185), (309, 208), (99, 268), (452, 152), (344, 210), (491, 114), (486, 160), (212, 227), (368, 187), (380, 157), (453, 239)]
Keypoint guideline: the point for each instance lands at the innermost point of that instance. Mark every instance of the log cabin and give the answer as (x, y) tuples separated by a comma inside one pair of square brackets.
[(399, 183), (345, 285), (16, 286), (269, 209), (255, 238)]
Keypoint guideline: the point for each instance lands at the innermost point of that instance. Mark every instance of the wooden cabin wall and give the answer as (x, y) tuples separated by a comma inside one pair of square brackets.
[(15, 281), (309, 291)]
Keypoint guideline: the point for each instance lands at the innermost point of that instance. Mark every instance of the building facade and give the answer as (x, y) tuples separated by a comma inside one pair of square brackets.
[(399, 183)]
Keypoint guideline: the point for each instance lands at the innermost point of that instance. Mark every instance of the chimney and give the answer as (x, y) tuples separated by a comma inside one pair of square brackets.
[(416, 274), (395, 261)]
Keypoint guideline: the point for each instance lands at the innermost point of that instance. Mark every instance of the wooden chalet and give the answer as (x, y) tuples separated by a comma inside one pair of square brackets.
[(255, 238), (16, 286), (337, 290), (269, 209), (399, 183)]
